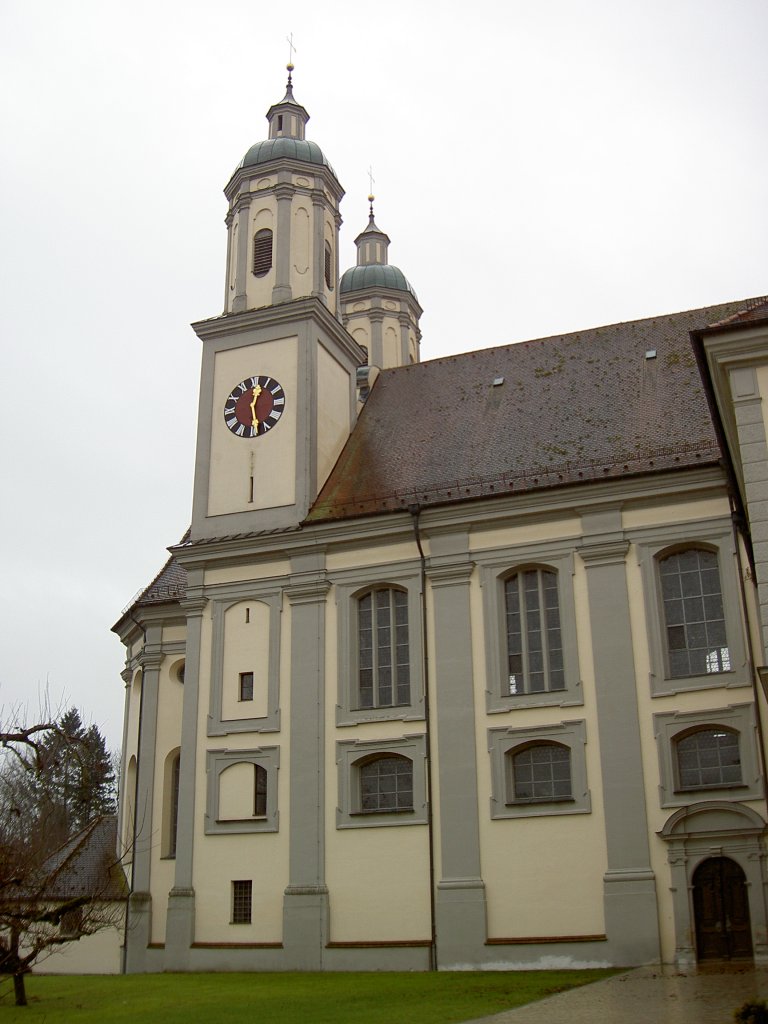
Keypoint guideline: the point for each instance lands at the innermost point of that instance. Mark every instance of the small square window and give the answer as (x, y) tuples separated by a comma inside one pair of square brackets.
[(246, 686), (242, 897)]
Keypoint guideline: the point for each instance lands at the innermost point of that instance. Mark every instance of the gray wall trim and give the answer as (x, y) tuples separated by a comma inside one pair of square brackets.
[(460, 910), (241, 267), (669, 725), (318, 244), (714, 535), (217, 725), (350, 752), (503, 742), (305, 905), (629, 887), (282, 289), (495, 568), (180, 919), (139, 933), (217, 762)]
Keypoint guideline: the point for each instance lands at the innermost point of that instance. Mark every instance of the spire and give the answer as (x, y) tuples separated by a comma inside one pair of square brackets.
[(372, 243), (287, 119)]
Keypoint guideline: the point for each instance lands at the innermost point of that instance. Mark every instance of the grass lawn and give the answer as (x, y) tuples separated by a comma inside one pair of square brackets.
[(382, 998)]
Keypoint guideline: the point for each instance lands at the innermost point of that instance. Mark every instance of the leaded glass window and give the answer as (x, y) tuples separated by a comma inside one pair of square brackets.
[(383, 649), (707, 758), (386, 785), (693, 613), (242, 898), (540, 773), (534, 642)]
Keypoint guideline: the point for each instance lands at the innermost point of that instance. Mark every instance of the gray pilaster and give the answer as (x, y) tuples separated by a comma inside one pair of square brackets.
[(139, 933), (126, 675), (376, 355), (405, 323), (318, 247), (282, 290), (241, 266), (180, 920), (629, 888), (305, 904), (748, 409), (460, 897)]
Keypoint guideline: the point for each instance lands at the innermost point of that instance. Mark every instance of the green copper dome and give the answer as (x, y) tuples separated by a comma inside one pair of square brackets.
[(375, 275), (285, 148)]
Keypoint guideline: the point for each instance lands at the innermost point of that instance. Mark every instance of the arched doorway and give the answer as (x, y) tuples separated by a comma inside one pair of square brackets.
[(721, 911)]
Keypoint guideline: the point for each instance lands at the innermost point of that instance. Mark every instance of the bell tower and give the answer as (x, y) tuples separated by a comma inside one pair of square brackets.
[(277, 392), (379, 307)]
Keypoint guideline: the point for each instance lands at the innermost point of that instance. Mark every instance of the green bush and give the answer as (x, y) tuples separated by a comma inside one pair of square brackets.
[(752, 1013)]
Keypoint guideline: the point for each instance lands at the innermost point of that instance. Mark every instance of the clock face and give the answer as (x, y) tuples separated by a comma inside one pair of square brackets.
[(254, 406)]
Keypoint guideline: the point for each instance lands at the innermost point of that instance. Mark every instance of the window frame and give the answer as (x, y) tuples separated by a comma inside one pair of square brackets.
[(671, 726), (495, 569), (653, 545), (701, 730), (217, 762), (352, 755), (503, 743), (246, 686), (512, 771), (349, 586)]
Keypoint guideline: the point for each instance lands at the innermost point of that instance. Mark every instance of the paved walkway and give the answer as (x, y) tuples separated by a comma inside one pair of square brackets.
[(648, 995)]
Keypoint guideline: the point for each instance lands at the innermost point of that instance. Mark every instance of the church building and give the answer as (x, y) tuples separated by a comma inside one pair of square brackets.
[(461, 662)]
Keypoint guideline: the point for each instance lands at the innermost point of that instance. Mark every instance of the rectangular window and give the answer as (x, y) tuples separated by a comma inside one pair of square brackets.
[(694, 618), (246, 686), (534, 643), (242, 892)]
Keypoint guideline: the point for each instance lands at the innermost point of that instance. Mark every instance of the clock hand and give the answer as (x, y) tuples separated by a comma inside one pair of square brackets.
[(254, 400)]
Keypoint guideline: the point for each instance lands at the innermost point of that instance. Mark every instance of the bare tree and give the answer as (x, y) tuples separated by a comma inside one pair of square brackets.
[(55, 887)]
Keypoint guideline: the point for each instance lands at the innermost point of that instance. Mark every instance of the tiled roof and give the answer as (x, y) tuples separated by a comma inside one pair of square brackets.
[(621, 400), (88, 864), (754, 311)]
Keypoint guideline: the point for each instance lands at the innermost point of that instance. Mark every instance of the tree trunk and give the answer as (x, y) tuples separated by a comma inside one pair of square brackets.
[(19, 990)]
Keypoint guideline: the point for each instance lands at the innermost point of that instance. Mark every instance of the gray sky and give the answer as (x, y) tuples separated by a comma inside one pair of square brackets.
[(540, 167)]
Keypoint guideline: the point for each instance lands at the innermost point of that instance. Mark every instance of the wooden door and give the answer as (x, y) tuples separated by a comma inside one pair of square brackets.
[(721, 909)]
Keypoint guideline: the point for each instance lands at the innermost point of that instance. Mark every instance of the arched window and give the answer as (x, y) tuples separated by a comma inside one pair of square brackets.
[(386, 784), (539, 773), (262, 252), (694, 620), (260, 791), (383, 649), (708, 758), (328, 266), (534, 643), (174, 807)]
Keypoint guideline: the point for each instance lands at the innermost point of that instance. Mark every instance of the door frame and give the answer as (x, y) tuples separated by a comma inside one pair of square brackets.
[(715, 828)]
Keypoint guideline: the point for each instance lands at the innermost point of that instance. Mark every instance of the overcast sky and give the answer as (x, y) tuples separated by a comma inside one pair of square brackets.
[(541, 167)]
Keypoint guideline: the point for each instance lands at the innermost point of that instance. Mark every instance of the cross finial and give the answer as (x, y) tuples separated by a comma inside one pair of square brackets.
[(291, 51), (371, 196)]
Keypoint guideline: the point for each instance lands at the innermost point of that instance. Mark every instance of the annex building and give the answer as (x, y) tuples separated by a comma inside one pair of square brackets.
[(459, 664)]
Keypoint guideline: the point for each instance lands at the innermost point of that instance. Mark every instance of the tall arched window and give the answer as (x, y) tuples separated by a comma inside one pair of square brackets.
[(694, 619), (328, 266), (383, 648), (262, 252), (534, 643), (174, 806)]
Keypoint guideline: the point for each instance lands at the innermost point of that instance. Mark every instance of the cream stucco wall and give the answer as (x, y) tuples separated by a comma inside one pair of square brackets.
[(246, 649), (333, 413)]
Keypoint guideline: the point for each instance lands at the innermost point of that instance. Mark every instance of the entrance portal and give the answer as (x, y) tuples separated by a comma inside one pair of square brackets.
[(721, 909)]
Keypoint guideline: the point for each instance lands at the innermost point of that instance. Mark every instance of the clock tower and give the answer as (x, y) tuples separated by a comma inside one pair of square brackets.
[(277, 394)]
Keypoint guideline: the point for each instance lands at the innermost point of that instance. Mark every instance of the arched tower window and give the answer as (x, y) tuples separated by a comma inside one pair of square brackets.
[(328, 265), (262, 252)]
